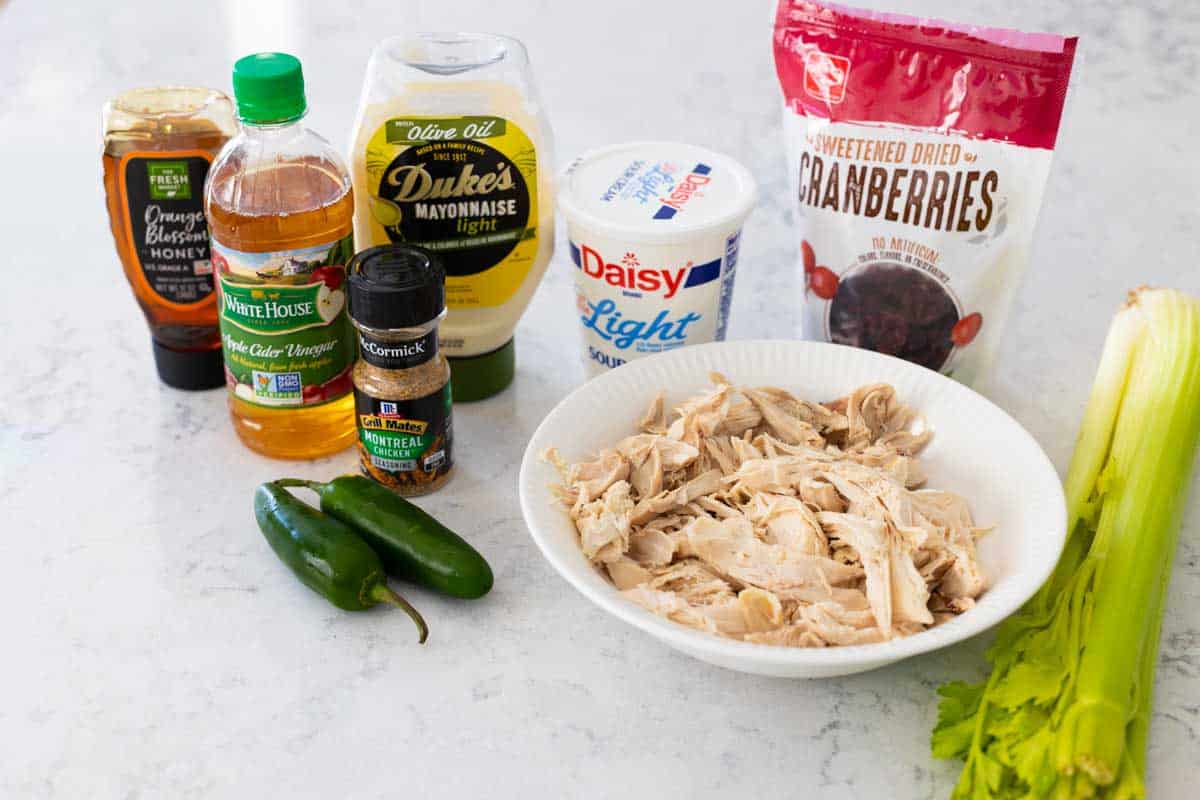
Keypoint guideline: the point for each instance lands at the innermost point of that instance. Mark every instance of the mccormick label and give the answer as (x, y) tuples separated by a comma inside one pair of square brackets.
[(405, 443), (389, 352), (654, 232)]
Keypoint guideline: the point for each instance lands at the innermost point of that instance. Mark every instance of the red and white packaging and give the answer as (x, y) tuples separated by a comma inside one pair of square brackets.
[(918, 153)]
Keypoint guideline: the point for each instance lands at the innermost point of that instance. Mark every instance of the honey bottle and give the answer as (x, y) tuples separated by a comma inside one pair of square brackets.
[(159, 143)]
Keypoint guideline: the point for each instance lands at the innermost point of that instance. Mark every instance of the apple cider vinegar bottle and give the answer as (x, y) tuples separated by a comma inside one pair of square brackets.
[(280, 209)]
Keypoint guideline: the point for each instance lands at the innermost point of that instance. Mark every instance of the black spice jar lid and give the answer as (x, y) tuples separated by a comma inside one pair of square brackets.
[(396, 286)]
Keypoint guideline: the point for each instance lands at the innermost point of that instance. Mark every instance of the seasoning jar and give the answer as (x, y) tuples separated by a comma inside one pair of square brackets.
[(401, 382)]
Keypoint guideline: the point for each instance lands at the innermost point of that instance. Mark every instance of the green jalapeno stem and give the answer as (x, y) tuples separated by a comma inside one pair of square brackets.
[(384, 594)]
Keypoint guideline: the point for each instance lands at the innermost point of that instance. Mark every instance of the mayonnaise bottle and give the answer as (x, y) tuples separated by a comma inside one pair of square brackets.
[(451, 152)]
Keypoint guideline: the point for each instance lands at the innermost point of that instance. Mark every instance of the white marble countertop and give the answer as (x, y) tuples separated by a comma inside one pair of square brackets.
[(156, 648)]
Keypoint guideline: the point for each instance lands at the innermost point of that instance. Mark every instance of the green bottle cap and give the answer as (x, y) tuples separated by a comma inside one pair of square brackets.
[(478, 377), (269, 88)]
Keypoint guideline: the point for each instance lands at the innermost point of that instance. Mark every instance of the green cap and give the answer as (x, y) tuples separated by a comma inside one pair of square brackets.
[(478, 377), (269, 88)]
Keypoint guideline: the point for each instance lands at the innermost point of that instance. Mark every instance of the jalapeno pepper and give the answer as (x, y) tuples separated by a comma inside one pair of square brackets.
[(325, 554), (412, 545)]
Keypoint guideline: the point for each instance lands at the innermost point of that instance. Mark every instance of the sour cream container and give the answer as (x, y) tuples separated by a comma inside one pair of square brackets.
[(654, 231)]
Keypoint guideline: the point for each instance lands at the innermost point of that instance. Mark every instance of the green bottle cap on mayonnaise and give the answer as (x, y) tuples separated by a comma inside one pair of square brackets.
[(480, 377)]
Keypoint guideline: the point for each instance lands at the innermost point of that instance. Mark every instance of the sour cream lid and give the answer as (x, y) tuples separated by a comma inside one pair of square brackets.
[(656, 191)]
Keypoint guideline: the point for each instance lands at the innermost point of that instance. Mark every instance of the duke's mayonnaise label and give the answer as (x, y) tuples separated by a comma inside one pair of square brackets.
[(654, 232)]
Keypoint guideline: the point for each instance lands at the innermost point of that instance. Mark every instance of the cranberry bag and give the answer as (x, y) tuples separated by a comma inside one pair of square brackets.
[(919, 152)]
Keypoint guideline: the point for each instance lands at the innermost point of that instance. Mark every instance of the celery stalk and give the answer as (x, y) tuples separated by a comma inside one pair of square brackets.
[(1130, 783), (1066, 710), (1152, 452)]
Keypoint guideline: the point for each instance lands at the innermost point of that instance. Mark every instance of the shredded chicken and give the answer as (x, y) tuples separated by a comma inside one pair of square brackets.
[(752, 514)]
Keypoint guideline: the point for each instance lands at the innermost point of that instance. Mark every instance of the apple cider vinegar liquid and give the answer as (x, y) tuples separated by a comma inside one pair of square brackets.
[(280, 210)]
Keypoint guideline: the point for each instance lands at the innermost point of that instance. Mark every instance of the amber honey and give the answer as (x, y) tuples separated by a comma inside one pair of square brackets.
[(158, 143)]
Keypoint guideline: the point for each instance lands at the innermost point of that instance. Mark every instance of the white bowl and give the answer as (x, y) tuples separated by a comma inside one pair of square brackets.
[(977, 451)]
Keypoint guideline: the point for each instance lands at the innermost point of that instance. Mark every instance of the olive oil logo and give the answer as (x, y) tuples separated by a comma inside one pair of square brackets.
[(169, 180), (411, 131)]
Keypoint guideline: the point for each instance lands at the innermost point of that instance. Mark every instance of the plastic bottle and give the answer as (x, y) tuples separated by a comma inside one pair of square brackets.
[(451, 152), (280, 209), (158, 145)]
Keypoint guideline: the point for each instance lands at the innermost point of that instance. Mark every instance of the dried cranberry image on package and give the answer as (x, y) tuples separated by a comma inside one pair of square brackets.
[(896, 310), (809, 257), (966, 329), (824, 283)]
